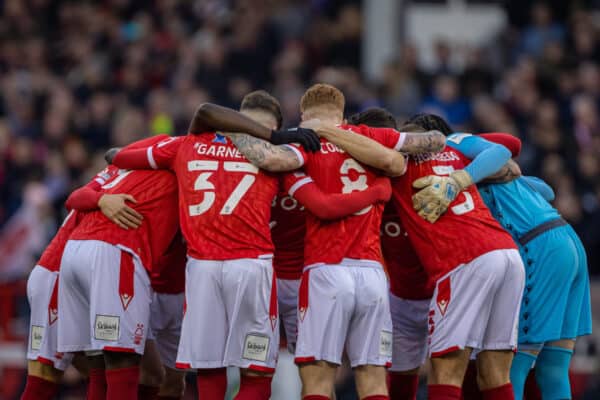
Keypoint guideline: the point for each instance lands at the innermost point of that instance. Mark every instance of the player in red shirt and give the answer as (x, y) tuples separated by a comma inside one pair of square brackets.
[(229, 244), (351, 245), (46, 365), (104, 277), (478, 276)]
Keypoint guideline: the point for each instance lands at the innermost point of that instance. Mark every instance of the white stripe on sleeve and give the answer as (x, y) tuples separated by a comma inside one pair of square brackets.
[(297, 152), (299, 184), (401, 140), (151, 158)]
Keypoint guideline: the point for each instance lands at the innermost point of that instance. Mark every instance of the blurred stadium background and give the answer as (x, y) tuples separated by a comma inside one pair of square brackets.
[(77, 77)]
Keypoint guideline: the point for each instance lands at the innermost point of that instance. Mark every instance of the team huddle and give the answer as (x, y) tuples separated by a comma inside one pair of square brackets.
[(380, 245)]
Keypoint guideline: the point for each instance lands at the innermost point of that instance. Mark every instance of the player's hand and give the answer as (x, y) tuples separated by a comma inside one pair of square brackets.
[(509, 172), (114, 207), (437, 192), (384, 189), (307, 138)]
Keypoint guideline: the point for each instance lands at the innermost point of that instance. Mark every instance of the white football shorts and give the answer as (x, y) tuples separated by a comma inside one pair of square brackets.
[(409, 320), (477, 304), (105, 296), (42, 293), (345, 307), (287, 298), (166, 316), (231, 315)]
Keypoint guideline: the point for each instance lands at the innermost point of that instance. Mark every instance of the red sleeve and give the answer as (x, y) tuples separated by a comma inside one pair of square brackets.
[(86, 197), (388, 137), (507, 140), (158, 156)]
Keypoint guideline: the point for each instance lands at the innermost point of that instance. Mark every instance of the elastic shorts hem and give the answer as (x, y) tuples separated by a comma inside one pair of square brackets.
[(405, 367), (307, 359), (492, 346), (377, 363), (75, 348)]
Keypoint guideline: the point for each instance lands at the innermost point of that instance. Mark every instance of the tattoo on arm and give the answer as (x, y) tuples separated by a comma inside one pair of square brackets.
[(427, 142), (264, 154)]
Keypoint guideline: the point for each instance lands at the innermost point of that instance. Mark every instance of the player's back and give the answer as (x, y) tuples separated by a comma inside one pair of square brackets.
[(288, 229), (467, 229), (518, 204), (225, 201), (335, 171), (50, 258), (408, 278), (155, 193)]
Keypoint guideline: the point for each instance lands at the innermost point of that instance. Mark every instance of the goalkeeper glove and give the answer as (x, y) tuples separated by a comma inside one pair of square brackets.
[(437, 192), (306, 137)]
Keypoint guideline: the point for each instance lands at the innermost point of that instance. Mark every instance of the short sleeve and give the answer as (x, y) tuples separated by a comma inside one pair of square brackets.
[(162, 154), (388, 137), (292, 181)]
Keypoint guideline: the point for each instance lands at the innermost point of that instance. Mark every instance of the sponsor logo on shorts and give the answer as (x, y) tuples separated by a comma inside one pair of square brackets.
[(385, 344), (444, 294), (138, 335), (37, 334), (106, 327), (256, 347)]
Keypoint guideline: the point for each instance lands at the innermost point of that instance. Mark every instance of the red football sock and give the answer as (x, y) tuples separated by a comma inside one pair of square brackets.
[(443, 392), (37, 388), (504, 392), (96, 389), (147, 392), (315, 397), (167, 398), (470, 389), (254, 388), (122, 383), (403, 387), (376, 397), (212, 383)]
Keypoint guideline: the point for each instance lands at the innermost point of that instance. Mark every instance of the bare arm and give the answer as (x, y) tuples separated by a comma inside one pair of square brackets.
[(264, 154), (426, 142), (365, 150)]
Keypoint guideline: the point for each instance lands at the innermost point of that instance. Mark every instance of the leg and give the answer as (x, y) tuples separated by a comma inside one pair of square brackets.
[(254, 385), (404, 384), (122, 375), (152, 373), (521, 367), (493, 374), (371, 382), (318, 378), (97, 383), (470, 390), (552, 369), (42, 381), (173, 386)]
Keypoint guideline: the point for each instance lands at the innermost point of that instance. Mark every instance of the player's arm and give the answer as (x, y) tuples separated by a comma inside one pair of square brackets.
[(426, 142), (362, 148), (437, 192), (509, 172), (152, 153), (211, 117), (507, 140), (540, 186), (266, 155), (333, 206), (113, 206)]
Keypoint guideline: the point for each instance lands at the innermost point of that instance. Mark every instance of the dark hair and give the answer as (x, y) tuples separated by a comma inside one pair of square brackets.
[(375, 117), (110, 154), (263, 101), (430, 122), (413, 128)]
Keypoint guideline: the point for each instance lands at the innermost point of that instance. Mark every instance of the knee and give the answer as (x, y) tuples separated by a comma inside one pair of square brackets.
[(317, 378), (152, 374), (370, 380), (44, 371), (552, 371), (490, 378)]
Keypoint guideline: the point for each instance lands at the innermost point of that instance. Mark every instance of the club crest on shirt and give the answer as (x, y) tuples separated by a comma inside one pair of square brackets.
[(219, 139), (443, 296), (52, 315)]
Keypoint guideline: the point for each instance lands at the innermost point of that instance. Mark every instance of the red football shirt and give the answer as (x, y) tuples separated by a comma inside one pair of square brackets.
[(224, 200), (466, 231), (288, 228), (156, 196), (334, 171), (168, 272), (50, 258), (408, 278)]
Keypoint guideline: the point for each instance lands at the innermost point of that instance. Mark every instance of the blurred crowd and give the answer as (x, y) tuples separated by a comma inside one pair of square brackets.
[(78, 77)]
